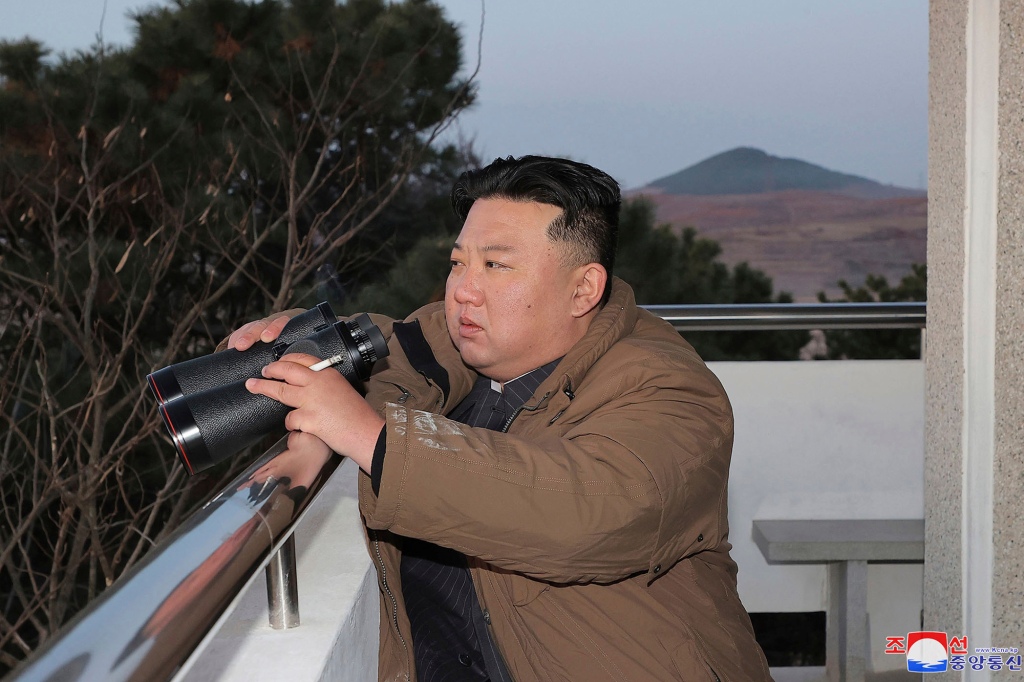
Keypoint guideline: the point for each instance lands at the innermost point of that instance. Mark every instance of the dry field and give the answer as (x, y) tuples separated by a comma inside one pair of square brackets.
[(806, 240)]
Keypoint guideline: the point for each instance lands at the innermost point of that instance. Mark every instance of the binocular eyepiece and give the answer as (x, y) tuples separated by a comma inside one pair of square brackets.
[(209, 413)]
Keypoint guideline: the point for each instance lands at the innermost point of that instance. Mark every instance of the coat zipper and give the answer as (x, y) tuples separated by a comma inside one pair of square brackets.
[(394, 602), (376, 542), (568, 394), (508, 422), (406, 394), (512, 417)]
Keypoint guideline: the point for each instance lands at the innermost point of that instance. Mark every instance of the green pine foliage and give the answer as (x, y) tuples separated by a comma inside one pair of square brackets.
[(879, 344), (416, 279), (238, 157), (665, 267)]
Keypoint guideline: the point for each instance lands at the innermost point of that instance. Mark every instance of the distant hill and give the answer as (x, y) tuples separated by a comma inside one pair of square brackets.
[(746, 170), (804, 225)]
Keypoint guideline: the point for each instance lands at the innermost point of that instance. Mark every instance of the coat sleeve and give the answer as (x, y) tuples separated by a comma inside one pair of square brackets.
[(627, 488)]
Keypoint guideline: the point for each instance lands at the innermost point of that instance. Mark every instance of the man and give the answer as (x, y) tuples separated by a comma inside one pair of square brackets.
[(544, 463)]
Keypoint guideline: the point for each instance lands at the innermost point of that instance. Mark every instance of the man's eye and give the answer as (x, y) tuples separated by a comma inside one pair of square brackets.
[(455, 263), (495, 264)]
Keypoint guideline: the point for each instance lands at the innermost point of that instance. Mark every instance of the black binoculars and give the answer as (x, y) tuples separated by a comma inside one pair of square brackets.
[(209, 413)]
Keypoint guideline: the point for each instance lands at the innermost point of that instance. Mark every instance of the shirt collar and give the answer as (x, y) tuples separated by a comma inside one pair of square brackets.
[(517, 391), (541, 373)]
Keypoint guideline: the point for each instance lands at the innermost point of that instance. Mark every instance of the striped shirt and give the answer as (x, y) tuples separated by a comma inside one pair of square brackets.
[(451, 640)]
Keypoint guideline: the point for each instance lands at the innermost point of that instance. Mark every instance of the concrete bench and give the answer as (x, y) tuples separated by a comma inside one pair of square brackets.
[(847, 546)]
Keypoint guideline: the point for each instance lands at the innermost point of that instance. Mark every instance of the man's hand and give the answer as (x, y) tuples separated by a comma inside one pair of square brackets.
[(265, 330), (326, 406), (300, 462)]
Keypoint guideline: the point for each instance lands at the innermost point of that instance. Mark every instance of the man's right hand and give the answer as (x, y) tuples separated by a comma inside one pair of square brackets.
[(265, 330)]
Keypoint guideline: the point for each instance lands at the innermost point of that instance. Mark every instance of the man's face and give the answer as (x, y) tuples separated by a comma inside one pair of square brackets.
[(508, 297)]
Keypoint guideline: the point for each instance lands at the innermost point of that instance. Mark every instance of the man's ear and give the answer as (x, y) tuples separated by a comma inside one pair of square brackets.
[(590, 281)]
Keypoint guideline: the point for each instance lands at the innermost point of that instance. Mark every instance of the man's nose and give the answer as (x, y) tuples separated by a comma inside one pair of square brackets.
[(466, 287)]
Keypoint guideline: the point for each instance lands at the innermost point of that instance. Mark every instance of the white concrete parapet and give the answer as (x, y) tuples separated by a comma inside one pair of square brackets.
[(827, 441), (338, 606)]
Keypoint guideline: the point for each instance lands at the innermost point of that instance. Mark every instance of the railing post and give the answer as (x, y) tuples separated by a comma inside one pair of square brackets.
[(283, 587)]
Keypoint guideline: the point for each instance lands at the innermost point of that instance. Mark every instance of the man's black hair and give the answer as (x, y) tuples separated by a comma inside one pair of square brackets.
[(589, 199)]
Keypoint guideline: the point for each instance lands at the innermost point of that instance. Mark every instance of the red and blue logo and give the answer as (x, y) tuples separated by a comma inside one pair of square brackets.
[(927, 652)]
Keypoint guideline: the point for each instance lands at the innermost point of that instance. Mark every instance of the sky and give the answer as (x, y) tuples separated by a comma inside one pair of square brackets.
[(643, 89)]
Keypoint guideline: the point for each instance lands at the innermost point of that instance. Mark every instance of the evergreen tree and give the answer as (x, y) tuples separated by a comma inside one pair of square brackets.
[(151, 199), (668, 268), (880, 344)]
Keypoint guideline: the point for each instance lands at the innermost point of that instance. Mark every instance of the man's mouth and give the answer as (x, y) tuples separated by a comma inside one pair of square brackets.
[(467, 326)]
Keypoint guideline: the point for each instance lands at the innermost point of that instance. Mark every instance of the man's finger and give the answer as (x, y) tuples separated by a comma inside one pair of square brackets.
[(275, 325), (294, 425), (265, 330), (296, 373), (275, 390), (303, 359), (295, 439), (239, 339)]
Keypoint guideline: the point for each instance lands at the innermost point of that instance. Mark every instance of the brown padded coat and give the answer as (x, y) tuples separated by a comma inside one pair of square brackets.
[(596, 528)]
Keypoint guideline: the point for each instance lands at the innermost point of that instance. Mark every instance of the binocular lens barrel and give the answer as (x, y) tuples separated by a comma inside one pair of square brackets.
[(222, 417), (212, 425), (218, 369)]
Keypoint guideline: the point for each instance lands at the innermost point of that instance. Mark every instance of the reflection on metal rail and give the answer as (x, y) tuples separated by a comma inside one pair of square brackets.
[(149, 623)]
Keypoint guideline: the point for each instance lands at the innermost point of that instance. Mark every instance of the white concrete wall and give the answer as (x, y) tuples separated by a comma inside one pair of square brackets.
[(338, 606), (827, 440)]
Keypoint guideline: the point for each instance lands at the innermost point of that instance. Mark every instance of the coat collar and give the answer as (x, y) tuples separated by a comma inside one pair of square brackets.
[(615, 321)]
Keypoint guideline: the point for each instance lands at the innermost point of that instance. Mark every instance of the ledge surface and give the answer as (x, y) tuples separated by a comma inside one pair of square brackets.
[(818, 541)]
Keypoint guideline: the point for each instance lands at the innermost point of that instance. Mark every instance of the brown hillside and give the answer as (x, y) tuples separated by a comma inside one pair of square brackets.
[(806, 240)]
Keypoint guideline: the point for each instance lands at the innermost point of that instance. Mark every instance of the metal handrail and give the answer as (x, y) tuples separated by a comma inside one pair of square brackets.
[(148, 624), (777, 316), (151, 621)]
